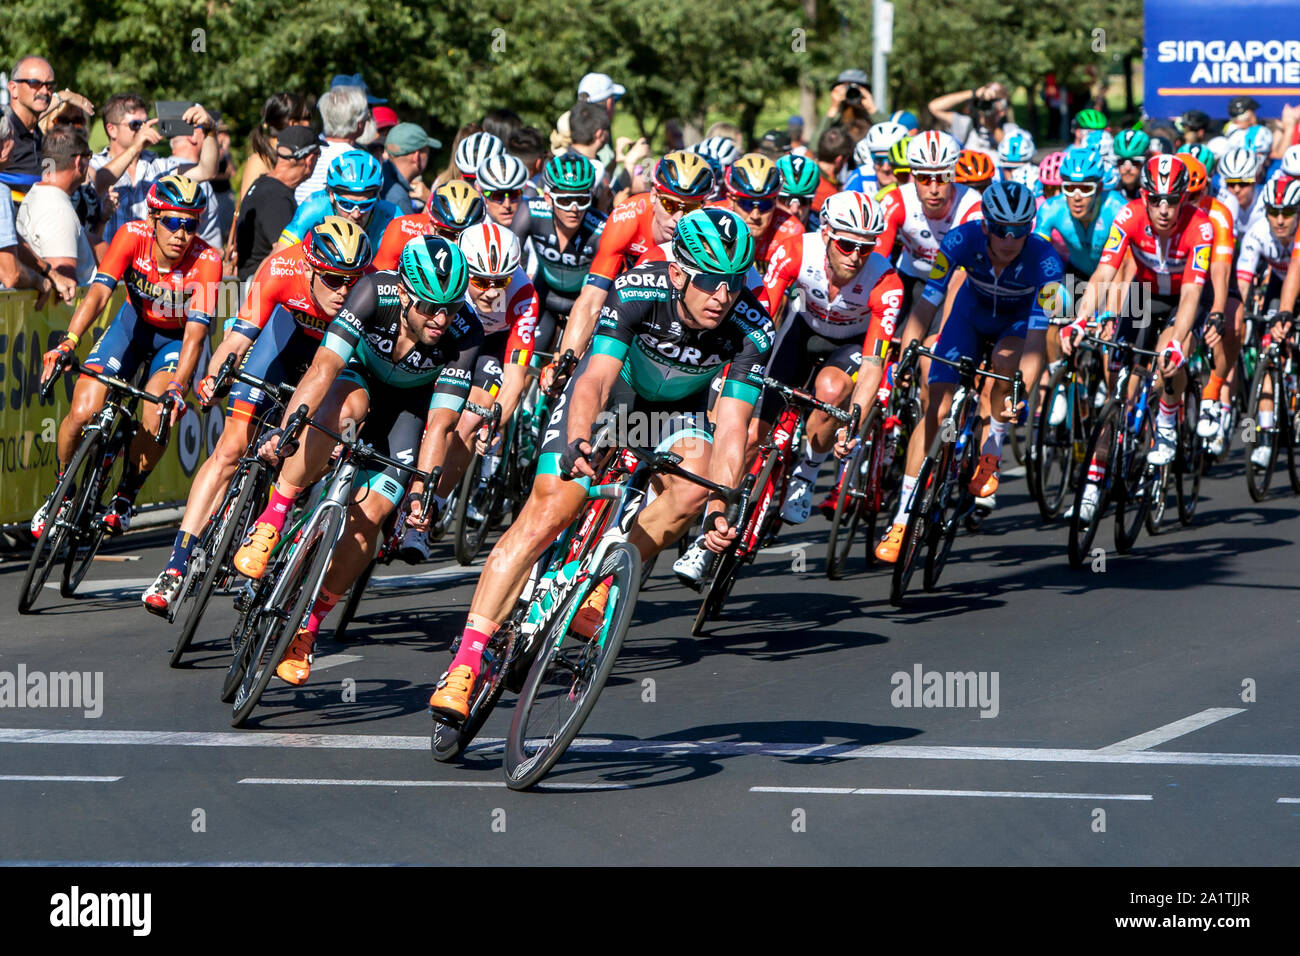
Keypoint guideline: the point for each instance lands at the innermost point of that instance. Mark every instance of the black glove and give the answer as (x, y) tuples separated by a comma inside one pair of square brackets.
[(274, 435), (572, 452)]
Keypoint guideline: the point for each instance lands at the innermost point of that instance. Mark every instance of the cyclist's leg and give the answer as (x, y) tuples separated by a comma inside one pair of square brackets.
[(118, 352), (677, 501)]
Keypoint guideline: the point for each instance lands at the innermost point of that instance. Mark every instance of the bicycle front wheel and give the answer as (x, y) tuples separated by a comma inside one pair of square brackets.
[(569, 674), (88, 532), (858, 501), (1264, 388), (1191, 458), (1096, 472), (59, 532)]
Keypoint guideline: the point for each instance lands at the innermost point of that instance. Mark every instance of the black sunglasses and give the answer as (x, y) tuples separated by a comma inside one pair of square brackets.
[(337, 280), (37, 84), (135, 125)]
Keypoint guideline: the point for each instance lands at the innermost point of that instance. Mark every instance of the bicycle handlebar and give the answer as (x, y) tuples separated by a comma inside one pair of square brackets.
[(563, 368), (800, 397), (166, 401), (228, 373), (300, 419)]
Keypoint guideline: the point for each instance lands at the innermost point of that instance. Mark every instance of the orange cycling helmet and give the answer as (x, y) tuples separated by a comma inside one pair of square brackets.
[(974, 167), (1196, 174)]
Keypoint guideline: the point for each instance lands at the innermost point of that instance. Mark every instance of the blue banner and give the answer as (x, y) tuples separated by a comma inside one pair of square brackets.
[(1202, 53)]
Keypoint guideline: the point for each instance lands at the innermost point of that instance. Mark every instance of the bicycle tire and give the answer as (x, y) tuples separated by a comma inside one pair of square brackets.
[(253, 487), (1105, 434), (622, 563), (917, 534), (56, 535), (1137, 484), (717, 591), (1190, 462), (275, 630), (1290, 423), (241, 647), (447, 742), (855, 498), (1049, 489), (1258, 479), (88, 533)]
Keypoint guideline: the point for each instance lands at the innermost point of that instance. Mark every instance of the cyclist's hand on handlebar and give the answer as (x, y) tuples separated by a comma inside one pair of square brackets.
[(1283, 323), (575, 462), (176, 392), (844, 445), (207, 389), (1214, 330), (53, 361), (718, 535), (1171, 358), (415, 517), (267, 450), (1016, 414)]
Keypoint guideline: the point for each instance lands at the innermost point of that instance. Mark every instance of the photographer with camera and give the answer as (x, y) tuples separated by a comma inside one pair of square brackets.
[(852, 106), (989, 119)]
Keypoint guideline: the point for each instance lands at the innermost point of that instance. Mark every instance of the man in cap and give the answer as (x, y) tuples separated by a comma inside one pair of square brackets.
[(268, 206), (851, 102), (407, 148), (598, 88)]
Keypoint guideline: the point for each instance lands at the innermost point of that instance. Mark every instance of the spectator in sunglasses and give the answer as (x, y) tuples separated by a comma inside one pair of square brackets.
[(19, 269), (31, 90), (589, 127), (46, 219)]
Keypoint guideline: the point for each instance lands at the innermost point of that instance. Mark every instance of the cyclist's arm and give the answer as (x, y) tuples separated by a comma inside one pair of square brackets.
[(1032, 359), (893, 206), (591, 394), (727, 460), (192, 342), (1189, 301), (438, 426), (582, 319), (1291, 285), (89, 309), (235, 343)]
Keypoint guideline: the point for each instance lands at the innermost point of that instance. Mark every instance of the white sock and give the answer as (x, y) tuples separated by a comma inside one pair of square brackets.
[(1266, 418), (996, 436), (1168, 416), (811, 463), (905, 499)]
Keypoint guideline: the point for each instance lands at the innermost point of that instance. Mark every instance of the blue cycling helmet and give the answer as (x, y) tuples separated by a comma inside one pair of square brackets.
[(1017, 147), (1082, 164), (355, 171), (1009, 209)]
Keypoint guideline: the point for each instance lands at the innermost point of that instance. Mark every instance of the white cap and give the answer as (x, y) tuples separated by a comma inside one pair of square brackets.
[(598, 87)]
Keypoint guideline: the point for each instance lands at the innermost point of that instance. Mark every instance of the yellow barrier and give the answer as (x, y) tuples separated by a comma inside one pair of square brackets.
[(28, 425)]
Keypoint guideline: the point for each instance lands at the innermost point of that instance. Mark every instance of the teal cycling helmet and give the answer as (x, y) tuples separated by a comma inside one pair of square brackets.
[(355, 171), (1082, 164), (798, 176), (715, 241), (1131, 144), (433, 270), (569, 173), (1201, 152)]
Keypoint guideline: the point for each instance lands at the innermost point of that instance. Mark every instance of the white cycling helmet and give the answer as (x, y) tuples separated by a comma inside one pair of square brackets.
[(1240, 162), (490, 250), (1103, 142), (1282, 191), (1026, 175), (1016, 147), (722, 150), (932, 151), (878, 141), (1291, 161), (475, 148), (1259, 138), (853, 213), (501, 171)]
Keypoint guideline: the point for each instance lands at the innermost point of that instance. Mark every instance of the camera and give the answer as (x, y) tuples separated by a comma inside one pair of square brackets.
[(984, 106), (853, 94)]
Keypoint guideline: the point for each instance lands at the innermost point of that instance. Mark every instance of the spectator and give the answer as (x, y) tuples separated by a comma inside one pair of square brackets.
[(221, 184), (599, 90), (834, 155), (561, 137), (1195, 127), (674, 138), (344, 113), (15, 273), (91, 212), (589, 126), (268, 206), (989, 119), (630, 156), (354, 79), (529, 147), (502, 123), (31, 90), (46, 218), (730, 130), (1242, 113), (851, 106), (407, 148), (185, 153), (774, 144), (794, 130), (385, 118), (280, 111)]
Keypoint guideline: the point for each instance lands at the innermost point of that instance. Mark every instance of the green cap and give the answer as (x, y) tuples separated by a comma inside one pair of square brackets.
[(407, 138)]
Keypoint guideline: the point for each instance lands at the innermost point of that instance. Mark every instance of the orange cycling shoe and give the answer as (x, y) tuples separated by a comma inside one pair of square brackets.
[(587, 622), (295, 666), (450, 698), (252, 557), (891, 544), (985, 482)]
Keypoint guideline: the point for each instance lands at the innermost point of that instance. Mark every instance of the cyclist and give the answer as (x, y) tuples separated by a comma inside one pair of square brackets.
[(1131, 147), (501, 180), (974, 169), (351, 192), (851, 297), (875, 171), (473, 150), (681, 182), (1171, 241), (799, 178), (719, 152), (667, 329), (399, 355), (1268, 245), (294, 296), (1049, 176), (1240, 169), (1086, 122), (172, 280), (752, 185), (898, 160), (1012, 286), (453, 207), (563, 232), (1015, 150)]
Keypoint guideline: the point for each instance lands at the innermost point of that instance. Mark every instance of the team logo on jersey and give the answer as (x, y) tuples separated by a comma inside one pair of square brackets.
[(940, 267), (1050, 298), (1051, 267), (1202, 258), (1114, 240)]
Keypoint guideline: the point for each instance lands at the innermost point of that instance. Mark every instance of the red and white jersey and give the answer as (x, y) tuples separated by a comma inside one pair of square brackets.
[(870, 300), (906, 222), (1258, 244), (1182, 257), (517, 309), (1243, 220)]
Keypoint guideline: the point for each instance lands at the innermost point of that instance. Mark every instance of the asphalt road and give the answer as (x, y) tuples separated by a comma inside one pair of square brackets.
[(1142, 714)]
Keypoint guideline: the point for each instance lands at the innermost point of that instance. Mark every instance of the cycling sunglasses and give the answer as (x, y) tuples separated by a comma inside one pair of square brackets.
[(1165, 199), (1130, 161), (1008, 230), (710, 282), (675, 206), (754, 205), (1286, 212), (483, 283), (1239, 182), (930, 179), (180, 223), (1079, 189), (337, 280), (572, 202), (881, 159), (446, 232), (430, 308), (848, 247), (347, 204), (502, 195)]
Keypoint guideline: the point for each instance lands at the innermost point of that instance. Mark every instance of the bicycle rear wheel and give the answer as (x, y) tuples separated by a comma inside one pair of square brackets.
[(59, 532), (951, 501), (1263, 388), (1138, 484), (1053, 460), (858, 502), (355, 593), (920, 525), (1103, 448), (1190, 462), (88, 532), (567, 677), (485, 494)]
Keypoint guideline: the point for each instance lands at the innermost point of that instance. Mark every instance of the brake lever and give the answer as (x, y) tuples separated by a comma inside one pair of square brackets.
[(164, 420)]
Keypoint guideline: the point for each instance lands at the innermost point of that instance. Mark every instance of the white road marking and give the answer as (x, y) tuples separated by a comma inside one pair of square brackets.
[(884, 792), (789, 548), (475, 784), (333, 660), (1015, 471), (1179, 728), (167, 738), (56, 778), (1288, 799)]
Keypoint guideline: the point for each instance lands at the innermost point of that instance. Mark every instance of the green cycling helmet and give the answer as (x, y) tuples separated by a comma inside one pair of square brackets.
[(1131, 144), (1201, 152), (798, 175), (715, 241), (569, 173), (1090, 119), (433, 270)]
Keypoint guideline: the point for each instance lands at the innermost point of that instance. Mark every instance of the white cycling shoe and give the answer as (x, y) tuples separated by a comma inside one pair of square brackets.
[(798, 501)]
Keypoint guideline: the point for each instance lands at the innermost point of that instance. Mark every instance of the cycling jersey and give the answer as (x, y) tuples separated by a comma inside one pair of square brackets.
[(1083, 241), (628, 234), (1221, 219), (399, 232), (906, 221), (664, 359), (863, 180), (1243, 219), (560, 272), (186, 293), (281, 285), (1259, 245), (1166, 263), (313, 212), (869, 303), (509, 331), (664, 253)]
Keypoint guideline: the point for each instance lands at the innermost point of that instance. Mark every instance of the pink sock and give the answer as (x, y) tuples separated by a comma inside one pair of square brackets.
[(472, 641), (321, 609), (276, 510)]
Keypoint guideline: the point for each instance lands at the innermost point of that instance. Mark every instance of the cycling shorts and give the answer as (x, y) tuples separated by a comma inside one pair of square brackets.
[(799, 351), (395, 427), (129, 344), (967, 332), (280, 355)]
